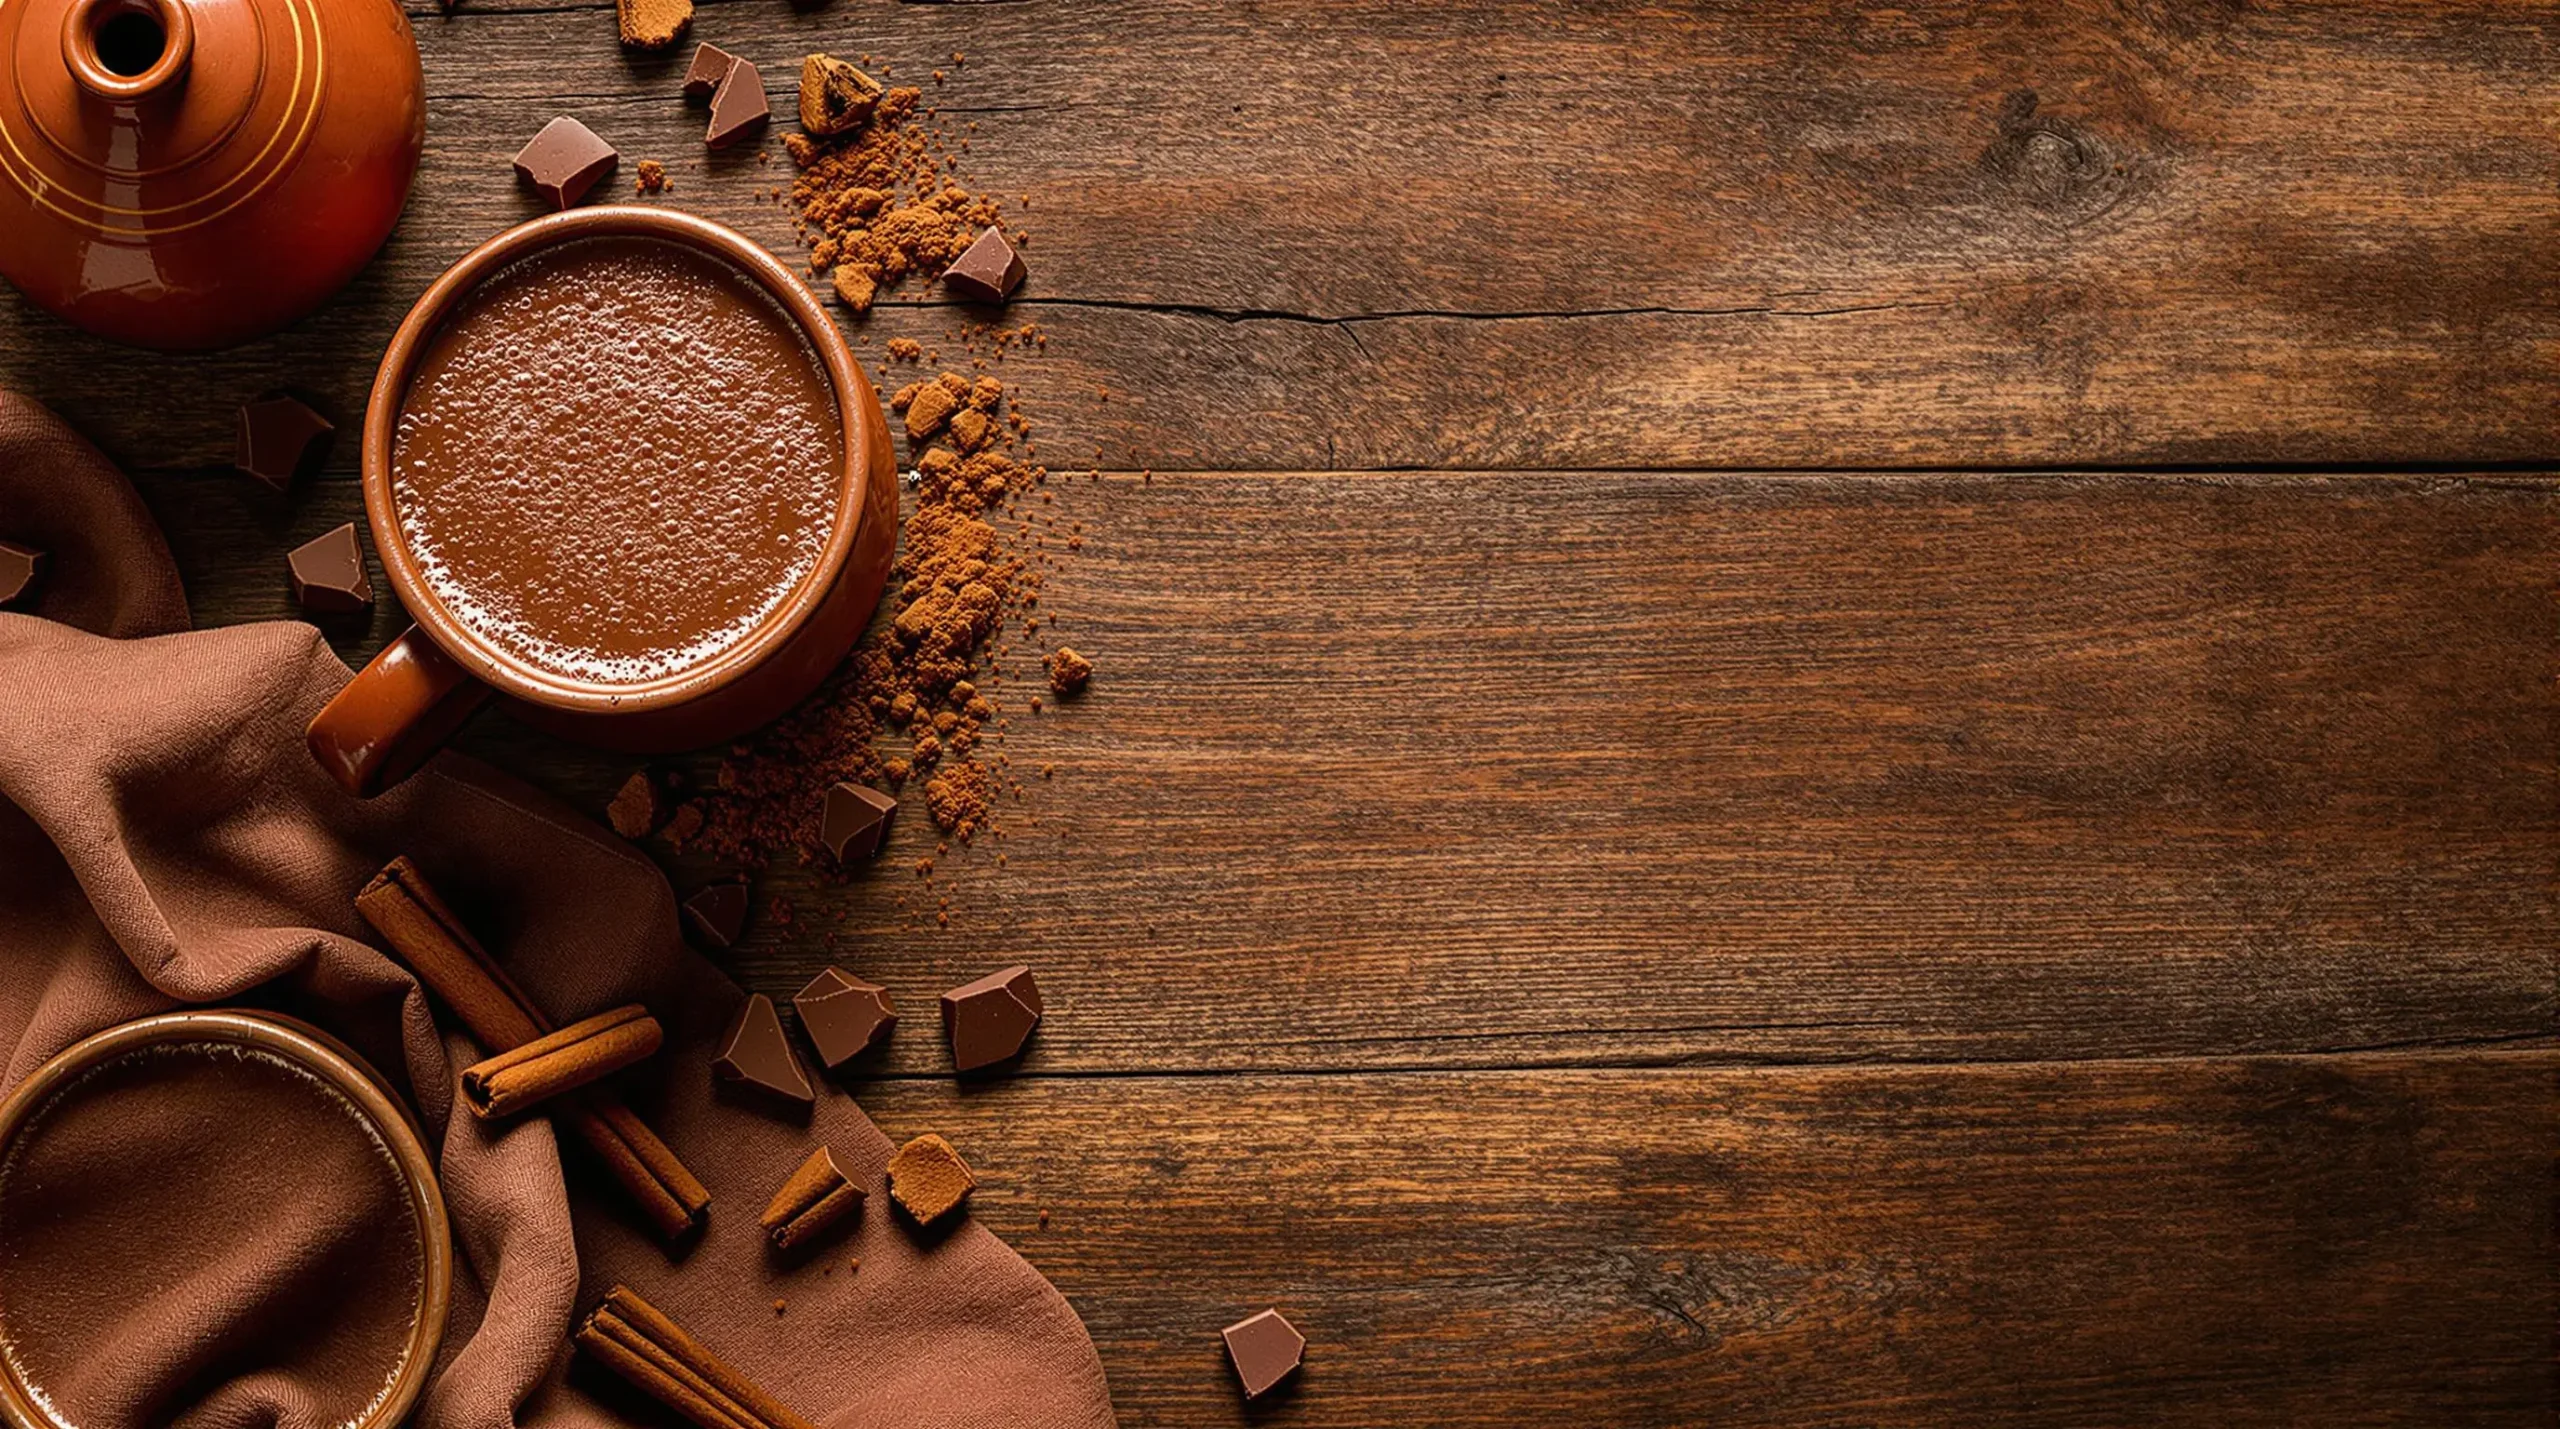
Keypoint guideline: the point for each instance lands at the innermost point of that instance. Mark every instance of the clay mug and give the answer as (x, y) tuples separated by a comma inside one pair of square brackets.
[(188, 174), (401, 707), (325, 1060)]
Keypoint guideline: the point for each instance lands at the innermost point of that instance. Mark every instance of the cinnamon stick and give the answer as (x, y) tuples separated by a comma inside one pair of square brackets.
[(403, 907), (636, 1340), (817, 1196), (527, 1076)]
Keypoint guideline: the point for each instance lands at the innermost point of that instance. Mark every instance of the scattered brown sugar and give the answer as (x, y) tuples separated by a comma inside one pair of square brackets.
[(635, 812), (922, 701), (1068, 671), (653, 178), (925, 675), (683, 827), (959, 798), (878, 196)]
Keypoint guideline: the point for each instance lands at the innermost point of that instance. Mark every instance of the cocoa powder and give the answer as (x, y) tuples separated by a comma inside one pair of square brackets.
[(921, 700)]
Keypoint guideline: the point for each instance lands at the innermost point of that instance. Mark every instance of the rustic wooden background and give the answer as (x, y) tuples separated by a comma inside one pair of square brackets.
[(1819, 714)]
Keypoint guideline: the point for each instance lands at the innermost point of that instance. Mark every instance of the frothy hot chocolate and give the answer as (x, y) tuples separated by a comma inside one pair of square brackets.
[(616, 459)]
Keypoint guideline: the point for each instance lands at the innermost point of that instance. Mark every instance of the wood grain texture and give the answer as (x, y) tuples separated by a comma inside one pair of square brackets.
[(1570, 769), (2337, 1241), (1343, 233)]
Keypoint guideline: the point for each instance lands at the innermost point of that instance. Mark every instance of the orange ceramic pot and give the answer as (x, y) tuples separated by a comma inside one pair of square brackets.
[(188, 174), (413, 696)]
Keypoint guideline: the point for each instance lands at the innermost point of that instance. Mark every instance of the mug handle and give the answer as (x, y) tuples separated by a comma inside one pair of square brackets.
[(393, 716)]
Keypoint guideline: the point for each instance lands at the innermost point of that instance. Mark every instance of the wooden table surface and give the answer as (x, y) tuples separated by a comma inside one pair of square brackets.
[(1819, 714)]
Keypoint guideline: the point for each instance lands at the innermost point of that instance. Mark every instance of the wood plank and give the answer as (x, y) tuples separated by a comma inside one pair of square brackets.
[(1538, 234), (2333, 1241), (1483, 770)]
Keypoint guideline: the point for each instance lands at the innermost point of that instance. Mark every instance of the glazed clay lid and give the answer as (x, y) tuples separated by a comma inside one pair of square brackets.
[(144, 117), (188, 174)]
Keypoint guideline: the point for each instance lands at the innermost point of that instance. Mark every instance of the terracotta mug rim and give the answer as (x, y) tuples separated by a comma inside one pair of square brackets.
[(331, 1060), (518, 678)]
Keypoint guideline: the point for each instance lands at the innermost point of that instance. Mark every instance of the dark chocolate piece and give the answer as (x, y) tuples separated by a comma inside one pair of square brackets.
[(21, 570), (988, 271), (989, 1020), (756, 1055), (1265, 1350), (817, 1196), (718, 914), (710, 66), (564, 161), (928, 1179), (843, 1015), (856, 822), (280, 439), (834, 96), (636, 807), (328, 573), (738, 107)]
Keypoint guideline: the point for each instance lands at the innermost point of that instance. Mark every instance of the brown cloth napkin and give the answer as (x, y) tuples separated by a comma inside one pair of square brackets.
[(165, 840)]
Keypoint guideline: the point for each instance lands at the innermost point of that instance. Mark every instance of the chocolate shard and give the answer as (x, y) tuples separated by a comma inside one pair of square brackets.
[(987, 272), (1265, 1349), (280, 439), (21, 571), (817, 1196), (928, 1179), (710, 66), (328, 573), (843, 1015), (738, 106), (757, 1056), (564, 161), (856, 823), (718, 914), (653, 24), (835, 96), (989, 1020)]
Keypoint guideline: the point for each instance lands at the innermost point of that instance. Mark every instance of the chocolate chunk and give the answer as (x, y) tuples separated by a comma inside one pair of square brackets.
[(328, 573), (985, 273), (718, 914), (856, 822), (636, 808), (834, 96), (817, 1196), (564, 161), (738, 107), (989, 1020), (843, 1015), (928, 1179), (21, 570), (756, 1055), (653, 24), (280, 439), (1265, 1350), (710, 66)]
